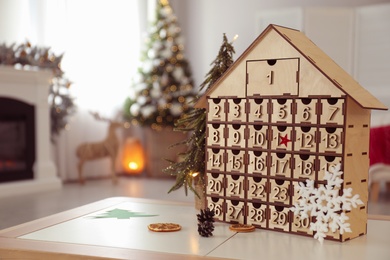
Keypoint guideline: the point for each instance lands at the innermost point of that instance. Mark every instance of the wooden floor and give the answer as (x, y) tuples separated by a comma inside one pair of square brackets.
[(19, 209)]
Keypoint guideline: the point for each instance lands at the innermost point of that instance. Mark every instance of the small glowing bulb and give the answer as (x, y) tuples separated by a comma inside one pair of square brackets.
[(133, 166), (194, 174)]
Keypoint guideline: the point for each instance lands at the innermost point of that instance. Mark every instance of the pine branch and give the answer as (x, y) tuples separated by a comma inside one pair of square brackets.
[(194, 121)]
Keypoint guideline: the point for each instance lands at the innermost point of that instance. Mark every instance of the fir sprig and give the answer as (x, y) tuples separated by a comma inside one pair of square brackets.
[(193, 159), (192, 166), (220, 64)]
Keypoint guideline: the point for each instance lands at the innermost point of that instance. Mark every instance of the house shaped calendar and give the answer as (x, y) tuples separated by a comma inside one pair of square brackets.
[(280, 119)]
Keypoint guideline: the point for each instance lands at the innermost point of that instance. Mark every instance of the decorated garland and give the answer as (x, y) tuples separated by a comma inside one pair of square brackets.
[(60, 101)]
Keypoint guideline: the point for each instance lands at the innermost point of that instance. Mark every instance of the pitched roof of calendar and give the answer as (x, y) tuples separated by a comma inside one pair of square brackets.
[(333, 72)]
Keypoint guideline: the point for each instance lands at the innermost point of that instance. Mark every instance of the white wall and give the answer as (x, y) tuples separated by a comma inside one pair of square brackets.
[(14, 21), (355, 35), (204, 21)]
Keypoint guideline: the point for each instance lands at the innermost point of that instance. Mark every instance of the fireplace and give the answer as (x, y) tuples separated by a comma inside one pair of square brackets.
[(26, 164), (17, 140)]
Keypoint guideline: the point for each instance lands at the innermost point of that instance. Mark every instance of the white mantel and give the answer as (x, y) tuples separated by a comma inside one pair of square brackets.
[(32, 87)]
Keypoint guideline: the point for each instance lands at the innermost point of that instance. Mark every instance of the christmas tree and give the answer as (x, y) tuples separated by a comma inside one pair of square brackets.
[(163, 88), (192, 167)]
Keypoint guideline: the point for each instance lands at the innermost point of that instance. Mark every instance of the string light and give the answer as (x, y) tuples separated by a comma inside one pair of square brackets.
[(194, 174), (234, 38)]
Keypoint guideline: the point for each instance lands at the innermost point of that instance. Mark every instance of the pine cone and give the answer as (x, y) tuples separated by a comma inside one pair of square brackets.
[(206, 222), (206, 215), (206, 228)]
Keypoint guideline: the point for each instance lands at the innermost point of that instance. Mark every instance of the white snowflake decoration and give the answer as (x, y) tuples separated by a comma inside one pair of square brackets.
[(324, 203)]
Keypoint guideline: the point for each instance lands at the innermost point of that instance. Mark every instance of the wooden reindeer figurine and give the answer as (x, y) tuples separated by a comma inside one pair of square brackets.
[(96, 150)]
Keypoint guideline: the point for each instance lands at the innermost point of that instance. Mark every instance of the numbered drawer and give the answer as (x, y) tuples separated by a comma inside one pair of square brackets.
[(279, 191), (298, 225), (306, 111), (279, 218), (326, 164), (257, 137), (235, 186), (301, 226), (281, 138), (305, 166), (216, 110), (236, 110), (331, 140), (258, 110), (280, 165), (235, 161), (281, 111), (235, 211), (257, 214), (295, 187), (235, 135), (257, 163), (215, 184), (332, 111), (305, 139), (215, 159), (216, 204), (215, 135), (257, 188)]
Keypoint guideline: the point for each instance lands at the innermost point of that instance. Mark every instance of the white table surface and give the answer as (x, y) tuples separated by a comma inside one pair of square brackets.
[(70, 232), (133, 233)]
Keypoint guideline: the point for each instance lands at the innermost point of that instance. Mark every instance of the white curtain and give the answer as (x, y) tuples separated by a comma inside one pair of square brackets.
[(100, 40)]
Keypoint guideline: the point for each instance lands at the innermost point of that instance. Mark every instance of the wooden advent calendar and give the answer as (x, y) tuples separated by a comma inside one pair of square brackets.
[(282, 116)]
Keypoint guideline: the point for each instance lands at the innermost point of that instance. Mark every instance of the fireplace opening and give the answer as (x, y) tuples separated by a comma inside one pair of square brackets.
[(17, 140)]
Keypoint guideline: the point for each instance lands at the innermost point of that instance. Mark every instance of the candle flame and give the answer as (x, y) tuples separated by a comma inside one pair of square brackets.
[(133, 165)]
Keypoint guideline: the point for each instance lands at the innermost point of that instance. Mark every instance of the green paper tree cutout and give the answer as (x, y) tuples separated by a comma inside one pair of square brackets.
[(192, 167), (123, 214)]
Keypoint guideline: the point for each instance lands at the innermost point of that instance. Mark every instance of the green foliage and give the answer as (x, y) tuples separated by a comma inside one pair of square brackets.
[(220, 64), (163, 87), (61, 105), (192, 163), (126, 107), (192, 167)]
